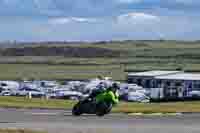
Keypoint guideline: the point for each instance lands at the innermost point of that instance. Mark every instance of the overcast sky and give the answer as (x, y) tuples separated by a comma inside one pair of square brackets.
[(93, 20)]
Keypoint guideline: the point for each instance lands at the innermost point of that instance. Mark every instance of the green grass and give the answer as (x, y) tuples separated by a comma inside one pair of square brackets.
[(22, 102), (171, 107), (60, 72), (140, 55), (122, 107), (19, 131)]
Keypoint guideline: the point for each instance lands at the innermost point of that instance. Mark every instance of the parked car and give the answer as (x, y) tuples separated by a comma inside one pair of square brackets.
[(194, 94), (25, 91), (5, 93), (137, 97), (66, 94)]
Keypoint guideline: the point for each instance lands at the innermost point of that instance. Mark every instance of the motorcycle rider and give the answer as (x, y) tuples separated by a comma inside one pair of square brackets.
[(100, 89), (101, 102), (109, 97)]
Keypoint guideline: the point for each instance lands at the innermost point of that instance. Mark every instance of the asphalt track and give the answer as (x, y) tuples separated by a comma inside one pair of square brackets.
[(61, 121)]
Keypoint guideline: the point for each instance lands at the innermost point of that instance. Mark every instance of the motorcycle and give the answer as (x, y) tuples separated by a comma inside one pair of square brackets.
[(89, 106)]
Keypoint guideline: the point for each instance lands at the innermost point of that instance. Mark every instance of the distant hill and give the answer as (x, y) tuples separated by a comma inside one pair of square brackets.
[(67, 51), (8, 44)]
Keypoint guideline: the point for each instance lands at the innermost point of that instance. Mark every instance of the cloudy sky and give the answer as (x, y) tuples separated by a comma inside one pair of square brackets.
[(93, 20)]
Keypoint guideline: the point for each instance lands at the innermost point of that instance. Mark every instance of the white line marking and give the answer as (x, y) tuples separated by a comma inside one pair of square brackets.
[(43, 113)]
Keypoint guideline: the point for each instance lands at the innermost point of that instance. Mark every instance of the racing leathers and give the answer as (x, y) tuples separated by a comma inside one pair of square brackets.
[(108, 97)]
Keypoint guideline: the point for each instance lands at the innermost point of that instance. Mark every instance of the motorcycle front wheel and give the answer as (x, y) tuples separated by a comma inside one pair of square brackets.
[(103, 108)]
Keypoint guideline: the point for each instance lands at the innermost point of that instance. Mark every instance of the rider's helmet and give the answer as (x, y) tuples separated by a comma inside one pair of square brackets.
[(101, 86), (114, 87)]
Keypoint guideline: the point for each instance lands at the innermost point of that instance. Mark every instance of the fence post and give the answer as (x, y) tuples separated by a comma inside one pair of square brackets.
[(29, 95)]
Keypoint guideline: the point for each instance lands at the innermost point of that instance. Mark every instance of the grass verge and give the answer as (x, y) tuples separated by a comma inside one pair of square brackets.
[(19, 131), (122, 107), (171, 107), (22, 102)]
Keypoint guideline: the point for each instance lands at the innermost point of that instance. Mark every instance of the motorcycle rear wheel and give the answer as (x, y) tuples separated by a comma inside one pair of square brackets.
[(100, 114), (76, 111)]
